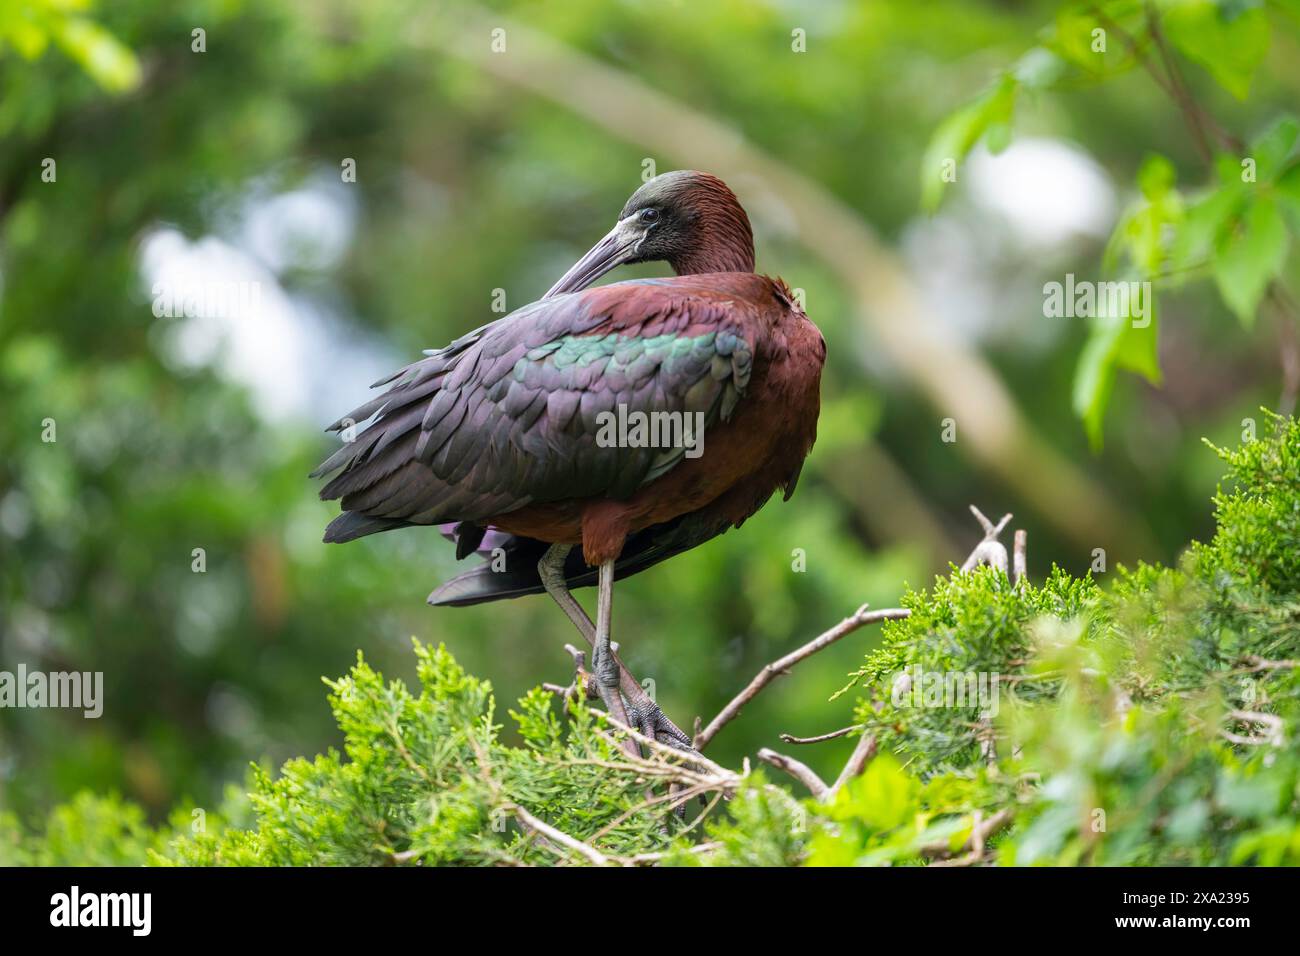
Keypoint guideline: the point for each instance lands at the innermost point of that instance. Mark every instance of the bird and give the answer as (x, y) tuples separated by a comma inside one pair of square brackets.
[(508, 439)]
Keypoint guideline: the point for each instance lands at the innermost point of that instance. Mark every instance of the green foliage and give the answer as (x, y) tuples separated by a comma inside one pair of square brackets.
[(1153, 722), (974, 624), (29, 26), (1235, 230), (157, 456), (425, 779)]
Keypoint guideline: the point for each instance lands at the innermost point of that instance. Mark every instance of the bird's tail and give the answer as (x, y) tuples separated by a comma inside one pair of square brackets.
[(353, 524), (510, 566)]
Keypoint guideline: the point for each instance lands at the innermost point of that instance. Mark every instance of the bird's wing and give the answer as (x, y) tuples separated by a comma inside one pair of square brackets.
[(511, 414)]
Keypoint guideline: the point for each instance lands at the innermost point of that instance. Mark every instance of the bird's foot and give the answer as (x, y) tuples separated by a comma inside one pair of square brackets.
[(646, 717), (643, 714)]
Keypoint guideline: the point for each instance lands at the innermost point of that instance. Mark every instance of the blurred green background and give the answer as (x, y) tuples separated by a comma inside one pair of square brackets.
[(480, 170)]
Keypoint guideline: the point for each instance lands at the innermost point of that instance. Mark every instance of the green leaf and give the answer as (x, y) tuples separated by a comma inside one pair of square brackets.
[(956, 136), (1271, 149), (27, 38), (1253, 797), (1231, 44), (1203, 225), (1287, 188), (1156, 177), (1250, 257), (99, 53), (1039, 68), (1126, 341), (883, 798)]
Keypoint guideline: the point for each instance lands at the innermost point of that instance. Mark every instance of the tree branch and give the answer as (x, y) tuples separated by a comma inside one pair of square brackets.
[(594, 856), (771, 671), (797, 769)]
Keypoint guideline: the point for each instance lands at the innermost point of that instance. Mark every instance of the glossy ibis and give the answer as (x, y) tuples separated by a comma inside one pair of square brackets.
[(506, 438)]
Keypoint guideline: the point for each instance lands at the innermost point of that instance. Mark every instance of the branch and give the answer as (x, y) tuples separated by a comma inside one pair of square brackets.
[(1018, 561), (640, 858), (1258, 663), (1271, 722), (681, 757), (860, 618), (981, 830), (858, 760), (797, 769), (990, 550), (594, 856), (820, 738)]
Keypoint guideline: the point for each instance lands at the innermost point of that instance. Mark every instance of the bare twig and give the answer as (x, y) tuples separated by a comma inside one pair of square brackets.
[(858, 760), (820, 738), (981, 830), (1263, 664), (797, 769), (682, 758), (642, 858), (1177, 88), (1018, 561), (594, 856), (1271, 735), (990, 550), (860, 618)]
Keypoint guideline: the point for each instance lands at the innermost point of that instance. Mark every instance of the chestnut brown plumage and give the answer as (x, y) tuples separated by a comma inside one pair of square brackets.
[(497, 437)]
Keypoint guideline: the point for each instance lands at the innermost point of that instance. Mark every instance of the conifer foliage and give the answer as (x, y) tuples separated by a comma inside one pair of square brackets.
[(1146, 720)]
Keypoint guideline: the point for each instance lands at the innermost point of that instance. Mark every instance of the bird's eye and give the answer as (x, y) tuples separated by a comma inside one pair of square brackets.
[(649, 214)]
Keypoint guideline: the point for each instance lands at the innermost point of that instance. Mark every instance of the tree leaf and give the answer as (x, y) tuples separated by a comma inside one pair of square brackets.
[(1204, 222), (958, 134), (1230, 43), (1250, 257), (1124, 341), (111, 65), (1271, 149)]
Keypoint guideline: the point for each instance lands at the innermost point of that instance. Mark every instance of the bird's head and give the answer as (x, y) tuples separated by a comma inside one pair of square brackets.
[(690, 220)]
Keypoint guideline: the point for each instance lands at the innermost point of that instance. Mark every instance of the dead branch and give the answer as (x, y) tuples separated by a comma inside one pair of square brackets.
[(552, 835), (990, 550), (1258, 663), (858, 760), (860, 618), (820, 738), (797, 769), (1018, 560), (1271, 735), (639, 859), (981, 830)]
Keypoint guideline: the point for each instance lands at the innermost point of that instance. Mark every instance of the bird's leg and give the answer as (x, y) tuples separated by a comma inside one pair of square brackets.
[(551, 571), (645, 714), (605, 668), (603, 663)]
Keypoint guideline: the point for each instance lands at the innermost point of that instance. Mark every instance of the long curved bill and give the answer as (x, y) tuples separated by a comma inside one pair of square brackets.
[(612, 251)]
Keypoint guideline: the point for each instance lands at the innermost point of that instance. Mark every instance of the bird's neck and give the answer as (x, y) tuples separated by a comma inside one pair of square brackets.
[(725, 242), (720, 258)]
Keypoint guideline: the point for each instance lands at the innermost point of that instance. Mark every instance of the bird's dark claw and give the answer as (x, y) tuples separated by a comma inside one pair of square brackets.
[(652, 722)]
